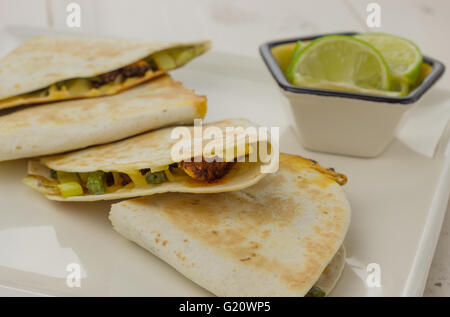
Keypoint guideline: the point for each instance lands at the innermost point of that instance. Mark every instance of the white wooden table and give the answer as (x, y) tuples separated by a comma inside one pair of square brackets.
[(239, 27)]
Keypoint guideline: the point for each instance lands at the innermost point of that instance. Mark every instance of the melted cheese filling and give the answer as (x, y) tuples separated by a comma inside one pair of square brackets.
[(82, 87)]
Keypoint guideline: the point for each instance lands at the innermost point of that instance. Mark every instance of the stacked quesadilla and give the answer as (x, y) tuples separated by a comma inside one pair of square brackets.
[(280, 237), (58, 68), (63, 126), (145, 165), (51, 68), (211, 212)]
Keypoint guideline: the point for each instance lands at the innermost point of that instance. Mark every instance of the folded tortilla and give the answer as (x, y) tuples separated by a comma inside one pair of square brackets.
[(280, 237), (56, 67), (63, 126), (145, 165)]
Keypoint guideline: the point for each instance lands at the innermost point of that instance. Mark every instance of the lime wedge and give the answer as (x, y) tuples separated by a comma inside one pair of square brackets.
[(343, 61), (402, 56), (349, 88), (400, 85), (299, 45)]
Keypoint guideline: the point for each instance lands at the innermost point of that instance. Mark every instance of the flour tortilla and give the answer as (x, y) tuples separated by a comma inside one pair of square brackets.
[(50, 59), (150, 150), (332, 272), (63, 126), (274, 238)]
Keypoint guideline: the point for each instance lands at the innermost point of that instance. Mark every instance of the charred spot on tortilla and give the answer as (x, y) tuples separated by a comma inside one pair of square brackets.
[(206, 171)]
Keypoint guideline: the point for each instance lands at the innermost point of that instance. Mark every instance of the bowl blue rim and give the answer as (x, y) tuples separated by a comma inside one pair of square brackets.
[(438, 69)]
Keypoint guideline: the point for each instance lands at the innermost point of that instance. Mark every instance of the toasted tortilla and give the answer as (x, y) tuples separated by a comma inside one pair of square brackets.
[(63, 126), (151, 150), (332, 272), (275, 238), (28, 71)]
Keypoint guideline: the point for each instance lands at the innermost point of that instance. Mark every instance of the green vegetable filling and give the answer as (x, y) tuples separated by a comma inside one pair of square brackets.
[(156, 177), (315, 292), (164, 60), (70, 189), (96, 183), (53, 174)]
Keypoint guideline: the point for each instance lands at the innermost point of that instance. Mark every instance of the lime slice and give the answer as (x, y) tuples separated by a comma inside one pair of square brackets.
[(402, 56), (400, 85), (349, 88), (342, 60), (299, 45)]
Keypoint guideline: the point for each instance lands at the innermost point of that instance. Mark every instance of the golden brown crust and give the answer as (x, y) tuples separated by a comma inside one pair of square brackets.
[(280, 237), (149, 150), (298, 162)]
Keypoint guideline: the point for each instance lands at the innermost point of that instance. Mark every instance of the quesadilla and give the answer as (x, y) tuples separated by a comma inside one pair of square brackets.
[(54, 67), (145, 165), (282, 236), (63, 126)]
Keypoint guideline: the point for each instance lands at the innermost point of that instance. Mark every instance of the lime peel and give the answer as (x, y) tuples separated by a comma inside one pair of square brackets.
[(402, 55)]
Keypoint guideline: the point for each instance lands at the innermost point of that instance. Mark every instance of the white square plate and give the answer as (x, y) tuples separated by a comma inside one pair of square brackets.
[(398, 202)]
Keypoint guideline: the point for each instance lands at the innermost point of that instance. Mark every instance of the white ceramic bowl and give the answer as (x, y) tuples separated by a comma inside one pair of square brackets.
[(344, 122)]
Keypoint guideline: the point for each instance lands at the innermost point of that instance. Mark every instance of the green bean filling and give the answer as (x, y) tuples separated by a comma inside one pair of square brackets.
[(155, 178), (53, 174), (96, 183)]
